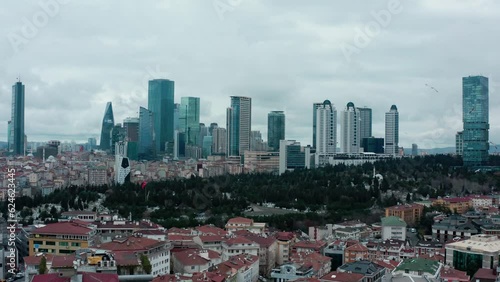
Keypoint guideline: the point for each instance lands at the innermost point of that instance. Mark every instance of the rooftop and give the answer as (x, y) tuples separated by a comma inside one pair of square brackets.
[(477, 243), (418, 264), (393, 221), (63, 228)]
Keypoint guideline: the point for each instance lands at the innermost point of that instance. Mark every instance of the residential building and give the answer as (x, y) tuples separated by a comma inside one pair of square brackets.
[(194, 260), (393, 227), (17, 135), (291, 272), (453, 227), (275, 130), (336, 276), (326, 128), (245, 266), (410, 213), (241, 223), (98, 175), (355, 252), (285, 241), (476, 120), (315, 108), (62, 237), (158, 252), (108, 122), (267, 252), (350, 129), (458, 205), (161, 105), (392, 131), (239, 122), (371, 271), (238, 245)]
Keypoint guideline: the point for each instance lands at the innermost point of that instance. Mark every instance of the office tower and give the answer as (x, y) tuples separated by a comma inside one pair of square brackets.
[(10, 142), (315, 107), (349, 129), (147, 148), (291, 156), (392, 131), (219, 142), (275, 129), (476, 120), (108, 122), (189, 119), (414, 149), (207, 146), (459, 143), (373, 145), (203, 131), (122, 165), (326, 128), (161, 104), (213, 126), (177, 116), (91, 144), (365, 122), (118, 134), (131, 127), (239, 121), (17, 119)]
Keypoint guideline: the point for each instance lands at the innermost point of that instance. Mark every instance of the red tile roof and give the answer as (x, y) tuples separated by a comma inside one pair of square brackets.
[(263, 242), (63, 228), (240, 261), (35, 260), (451, 274), (237, 241), (126, 259), (389, 264), (285, 236), (63, 261), (211, 230), (131, 244), (52, 277), (335, 276), (240, 220), (166, 278), (484, 273), (316, 245), (406, 207), (179, 231), (99, 277), (180, 238), (192, 257), (357, 248), (211, 238)]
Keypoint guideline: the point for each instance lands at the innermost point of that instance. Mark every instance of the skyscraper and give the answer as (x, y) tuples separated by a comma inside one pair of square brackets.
[(146, 134), (17, 119), (414, 149), (275, 129), (213, 126), (392, 131), (315, 107), (291, 156), (365, 122), (202, 132), (10, 141), (118, 134), (131, 126), (161, 104), (459, 143), (177, 116), (326, 128), (189, 119), (349, 129), (108, 122), (219, 143), (476, 120), (239, 121)]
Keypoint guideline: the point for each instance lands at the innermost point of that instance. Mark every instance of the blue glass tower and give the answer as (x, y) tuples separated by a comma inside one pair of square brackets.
[(275, 129), (17, 119), (239, 121), (476, 120), (146, 134), (161, 104), (189, 122), (108, 122)]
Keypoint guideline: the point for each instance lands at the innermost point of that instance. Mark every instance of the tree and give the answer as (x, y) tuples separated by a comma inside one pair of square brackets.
[(42, 267), (408, 197), (146, 264)]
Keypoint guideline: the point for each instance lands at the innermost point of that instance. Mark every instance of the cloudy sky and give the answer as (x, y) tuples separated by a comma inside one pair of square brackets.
[(74, 56)]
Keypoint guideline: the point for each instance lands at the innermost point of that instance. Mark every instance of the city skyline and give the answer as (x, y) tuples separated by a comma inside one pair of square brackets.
[(281, 66)]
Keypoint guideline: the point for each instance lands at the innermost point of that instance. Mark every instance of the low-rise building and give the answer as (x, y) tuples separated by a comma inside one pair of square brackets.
[(480, 251), (370, 271), (454, 226), (411, 214), (355, 252), (194, 260), (238, 245), (393, 227)]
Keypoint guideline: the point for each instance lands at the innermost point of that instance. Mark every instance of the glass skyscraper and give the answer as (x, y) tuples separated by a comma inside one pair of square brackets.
[(108, 122), (476, 120), (275, 130), (392, 131), (146, 134), (239, 121), (365, 122), (17, 119), (189, 119), (315, 107), (161, 104)]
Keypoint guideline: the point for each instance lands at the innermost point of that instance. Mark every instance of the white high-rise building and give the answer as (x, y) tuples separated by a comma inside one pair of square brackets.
[(392, 131), (350, 129), (326, 128), (239, 123)]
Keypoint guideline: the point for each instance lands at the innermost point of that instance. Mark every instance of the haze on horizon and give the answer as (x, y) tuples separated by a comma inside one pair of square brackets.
[(285, 54)]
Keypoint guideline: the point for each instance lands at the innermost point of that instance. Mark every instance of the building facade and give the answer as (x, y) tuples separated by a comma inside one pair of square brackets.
[(392, 131), (219, 143), (291, 156), (476, 120), (275, 129), (326, 128), (108, 122), (189, 119), (161, 104), (239, 122), (365, 122), (350, 129), (146, 148), (17, 119)]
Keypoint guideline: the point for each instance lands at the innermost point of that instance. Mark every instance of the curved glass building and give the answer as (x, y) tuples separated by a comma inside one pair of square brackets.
[(108, 122)]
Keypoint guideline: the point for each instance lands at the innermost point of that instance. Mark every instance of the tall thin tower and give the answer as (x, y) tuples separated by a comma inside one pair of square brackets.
[(17, 119), (392, 131), (239, 122)]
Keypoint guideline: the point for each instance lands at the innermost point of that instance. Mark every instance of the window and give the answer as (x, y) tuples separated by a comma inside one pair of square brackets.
[(75, 244), (63, 244), (38, 242)]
